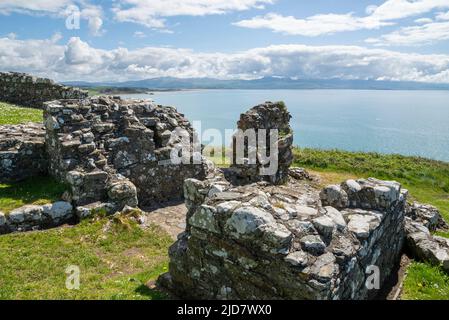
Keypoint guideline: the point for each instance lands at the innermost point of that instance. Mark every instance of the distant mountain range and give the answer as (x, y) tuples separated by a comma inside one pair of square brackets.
[(169, 83)]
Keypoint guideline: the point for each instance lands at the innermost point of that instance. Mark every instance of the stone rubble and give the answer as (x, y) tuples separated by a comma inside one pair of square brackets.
[(420, 222), (427, 215)]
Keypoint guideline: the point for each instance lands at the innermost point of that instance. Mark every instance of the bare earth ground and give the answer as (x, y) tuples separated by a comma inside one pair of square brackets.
[(171, 218)]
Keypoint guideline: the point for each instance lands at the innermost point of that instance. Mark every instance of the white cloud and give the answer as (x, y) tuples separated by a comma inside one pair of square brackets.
[(312, 26), (442, 16), (399, 9), (414, 36), (423, 20), (152, 13), (54, 6), (77, 60), (94, 17), (57, 8), (11, 35), (377, 16), (139, 34)]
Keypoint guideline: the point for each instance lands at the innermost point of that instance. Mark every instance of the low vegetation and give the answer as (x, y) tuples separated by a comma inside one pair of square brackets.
[(424, 282), (39, 190), (95, 91), (116, 259), (12, 114)]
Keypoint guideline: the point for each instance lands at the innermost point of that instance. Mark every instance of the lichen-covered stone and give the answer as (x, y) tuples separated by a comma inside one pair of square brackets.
[(427, 215), (95, 208), (334, 196), (35, 217), (261, 241), (426, 247), (372, 194), (59, 211), (3, 226)]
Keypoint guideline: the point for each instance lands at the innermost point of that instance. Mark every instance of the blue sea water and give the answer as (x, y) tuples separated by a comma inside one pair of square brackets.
[(404, 122)]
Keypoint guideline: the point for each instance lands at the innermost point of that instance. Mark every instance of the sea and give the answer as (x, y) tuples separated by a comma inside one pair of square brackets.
[(414, 123)]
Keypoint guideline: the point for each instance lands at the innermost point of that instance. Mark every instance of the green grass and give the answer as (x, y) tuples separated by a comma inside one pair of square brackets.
[(116, 260), (427, 180), (39, 190), (424, 282), (12, 114)]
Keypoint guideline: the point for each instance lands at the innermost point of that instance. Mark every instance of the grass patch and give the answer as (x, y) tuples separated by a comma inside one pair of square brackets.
[(427, 180), (219, 156), (12, 114), (424, 282), (39, 190), (116, 260)]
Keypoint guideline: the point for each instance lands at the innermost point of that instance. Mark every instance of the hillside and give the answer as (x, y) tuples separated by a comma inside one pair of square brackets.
[(264, 83)]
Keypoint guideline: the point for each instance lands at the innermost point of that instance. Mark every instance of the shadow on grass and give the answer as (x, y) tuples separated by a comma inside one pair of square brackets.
[(38, 190), (153, 294)]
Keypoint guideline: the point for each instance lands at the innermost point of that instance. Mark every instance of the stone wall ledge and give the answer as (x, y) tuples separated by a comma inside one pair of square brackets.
[(36, 217), (261, 241)]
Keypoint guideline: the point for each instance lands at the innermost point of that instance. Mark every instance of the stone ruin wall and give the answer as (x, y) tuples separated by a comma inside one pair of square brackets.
[(30, 91), (107, 149), (22, 152), (112, 154), (274, 237), (267, 116), (263, 242)]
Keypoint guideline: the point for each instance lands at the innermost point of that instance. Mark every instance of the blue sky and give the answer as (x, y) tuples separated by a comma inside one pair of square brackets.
[(136, 39)]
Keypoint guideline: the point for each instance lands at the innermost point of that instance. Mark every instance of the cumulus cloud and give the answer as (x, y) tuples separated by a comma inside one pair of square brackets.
[(77, 60), (321, 24), (152, 13), (93, 14)]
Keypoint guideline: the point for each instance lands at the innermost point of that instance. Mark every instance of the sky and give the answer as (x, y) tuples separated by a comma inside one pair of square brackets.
[(96, 40)]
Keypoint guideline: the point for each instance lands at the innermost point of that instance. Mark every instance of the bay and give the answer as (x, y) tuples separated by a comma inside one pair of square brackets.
[(404, 122)]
